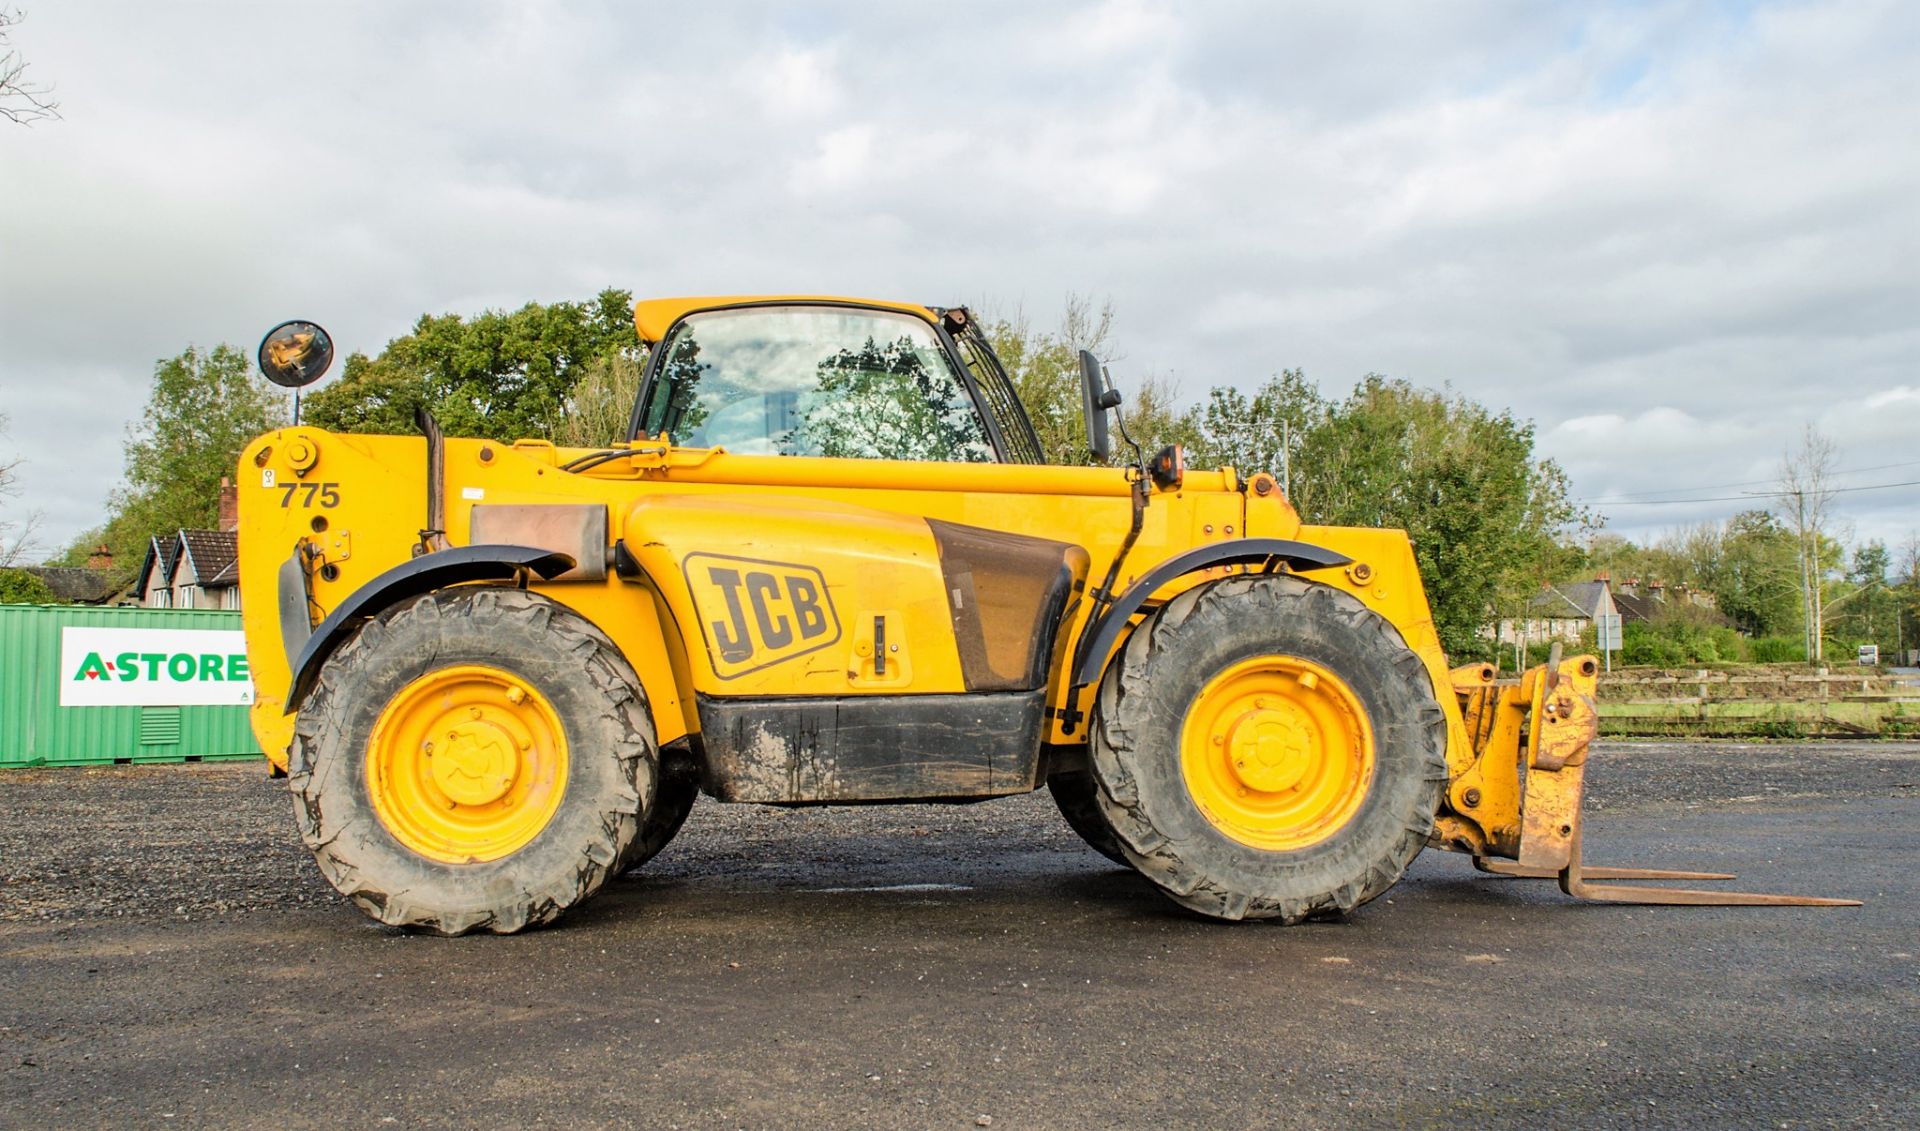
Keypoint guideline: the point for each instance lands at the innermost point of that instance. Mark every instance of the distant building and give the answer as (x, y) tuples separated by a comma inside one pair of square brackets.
[(1559, 612), (88, 585), (194, 569), (1640, 603)]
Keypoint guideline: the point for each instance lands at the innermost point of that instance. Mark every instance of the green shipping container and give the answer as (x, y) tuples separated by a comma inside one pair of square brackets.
[(172, 689)]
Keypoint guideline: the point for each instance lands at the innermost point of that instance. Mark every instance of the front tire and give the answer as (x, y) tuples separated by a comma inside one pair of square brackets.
[(475, 759), (1269, 748)]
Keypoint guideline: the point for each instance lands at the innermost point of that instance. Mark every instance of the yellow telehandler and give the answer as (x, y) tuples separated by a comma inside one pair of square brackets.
[(828, 565)]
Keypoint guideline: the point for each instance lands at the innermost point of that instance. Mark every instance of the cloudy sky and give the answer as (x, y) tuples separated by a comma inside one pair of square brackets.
[(1669, 234)]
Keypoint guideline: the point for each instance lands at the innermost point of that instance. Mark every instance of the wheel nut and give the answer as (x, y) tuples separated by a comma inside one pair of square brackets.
[(515, 695), (473, 712)]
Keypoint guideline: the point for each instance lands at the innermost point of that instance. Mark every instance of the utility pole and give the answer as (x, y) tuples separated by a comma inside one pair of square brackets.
[(1286, 458)]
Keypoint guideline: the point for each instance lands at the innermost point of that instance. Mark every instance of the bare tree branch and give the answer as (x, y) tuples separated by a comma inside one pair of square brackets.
[(21, 100), (1805, 501), (16, 537)]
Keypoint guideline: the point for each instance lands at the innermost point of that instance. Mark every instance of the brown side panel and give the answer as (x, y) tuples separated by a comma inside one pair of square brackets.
[(1008, 594), (578, 530), (871, 747)]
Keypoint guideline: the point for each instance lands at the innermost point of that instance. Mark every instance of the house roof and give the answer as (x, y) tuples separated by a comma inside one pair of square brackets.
[(158, 553), (82, 586), (209, 554), (1639, 609), (1635, 609), (212, 559), (1582, 599)]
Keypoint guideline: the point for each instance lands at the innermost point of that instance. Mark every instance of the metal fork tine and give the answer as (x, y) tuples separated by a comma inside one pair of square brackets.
[(1573, 882), (1518, 871), (1627, 893)]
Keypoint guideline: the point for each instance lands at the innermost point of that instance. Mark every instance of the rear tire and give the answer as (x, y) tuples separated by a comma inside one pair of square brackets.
[(673, 799), (546, 762), (1074, 792), (1269, 748)]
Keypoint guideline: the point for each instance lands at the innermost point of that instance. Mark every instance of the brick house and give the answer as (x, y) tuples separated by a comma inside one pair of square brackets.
[(194, 569)]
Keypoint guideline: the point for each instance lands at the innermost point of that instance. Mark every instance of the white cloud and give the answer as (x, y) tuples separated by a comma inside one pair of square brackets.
[(1670, 235)]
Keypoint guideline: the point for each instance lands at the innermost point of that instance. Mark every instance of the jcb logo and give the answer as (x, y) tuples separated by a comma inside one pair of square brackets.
[(756, 613)]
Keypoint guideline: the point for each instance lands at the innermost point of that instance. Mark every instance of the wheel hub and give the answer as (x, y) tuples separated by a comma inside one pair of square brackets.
[(1277, 752), (1271, 748), (478, 765), (466, 764)]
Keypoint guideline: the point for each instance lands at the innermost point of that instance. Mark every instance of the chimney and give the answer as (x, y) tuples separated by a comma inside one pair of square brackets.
[(1604, 576), (100, 558), (229, 505), (1657, 590)]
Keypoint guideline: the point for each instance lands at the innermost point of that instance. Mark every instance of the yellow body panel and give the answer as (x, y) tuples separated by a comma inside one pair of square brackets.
[(368, 501), (774, 604)]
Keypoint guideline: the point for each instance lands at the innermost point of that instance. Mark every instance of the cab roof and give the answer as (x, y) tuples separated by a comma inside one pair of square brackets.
[(652, 317)]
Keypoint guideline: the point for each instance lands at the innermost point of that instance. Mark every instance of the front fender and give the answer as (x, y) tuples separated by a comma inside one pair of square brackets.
[(1098, 641)]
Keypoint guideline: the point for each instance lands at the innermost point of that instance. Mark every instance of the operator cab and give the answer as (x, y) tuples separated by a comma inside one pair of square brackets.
[(830, 378)]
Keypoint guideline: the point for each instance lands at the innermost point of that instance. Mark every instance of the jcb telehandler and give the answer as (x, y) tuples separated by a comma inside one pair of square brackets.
[(827, 565)]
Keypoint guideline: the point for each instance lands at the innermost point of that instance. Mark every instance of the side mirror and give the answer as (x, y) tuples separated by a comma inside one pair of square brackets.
[(1096, 398), (295, 354)]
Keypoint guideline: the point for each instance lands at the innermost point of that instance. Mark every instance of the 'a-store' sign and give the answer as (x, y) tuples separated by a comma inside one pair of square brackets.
[(153, 667)]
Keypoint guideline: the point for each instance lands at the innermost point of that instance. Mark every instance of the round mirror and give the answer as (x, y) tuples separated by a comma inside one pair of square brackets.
[(295, 353)]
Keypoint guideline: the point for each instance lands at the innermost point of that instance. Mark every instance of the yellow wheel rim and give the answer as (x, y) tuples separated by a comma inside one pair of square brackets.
[(467, 764), (1277, 752)]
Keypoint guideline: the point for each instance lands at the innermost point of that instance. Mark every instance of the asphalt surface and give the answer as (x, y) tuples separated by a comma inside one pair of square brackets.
[(169, 957)]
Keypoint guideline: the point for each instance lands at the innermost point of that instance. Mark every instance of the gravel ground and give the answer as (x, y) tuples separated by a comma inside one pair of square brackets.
[(168, 955), (193, 841)]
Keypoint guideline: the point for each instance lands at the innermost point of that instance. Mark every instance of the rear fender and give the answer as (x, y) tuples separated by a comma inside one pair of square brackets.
[(409, 579)]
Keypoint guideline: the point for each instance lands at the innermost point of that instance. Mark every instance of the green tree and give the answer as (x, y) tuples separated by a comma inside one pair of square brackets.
[(1867, 611), (499, 375), (601, 404), (1486, 517), (1263, 432), (882, 402), (1906, 633), (1154, 420), (1045, 369), (1755, 577), (204, 407), (18, 587)]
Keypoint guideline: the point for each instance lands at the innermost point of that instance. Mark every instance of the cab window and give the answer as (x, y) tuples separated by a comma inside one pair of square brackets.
[(813, 381)]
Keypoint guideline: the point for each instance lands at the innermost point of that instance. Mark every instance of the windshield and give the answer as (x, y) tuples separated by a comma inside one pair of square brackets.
[(813, 381)]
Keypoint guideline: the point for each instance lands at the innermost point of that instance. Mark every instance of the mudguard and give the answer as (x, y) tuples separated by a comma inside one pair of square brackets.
[(410, 579), (1098, 640)]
